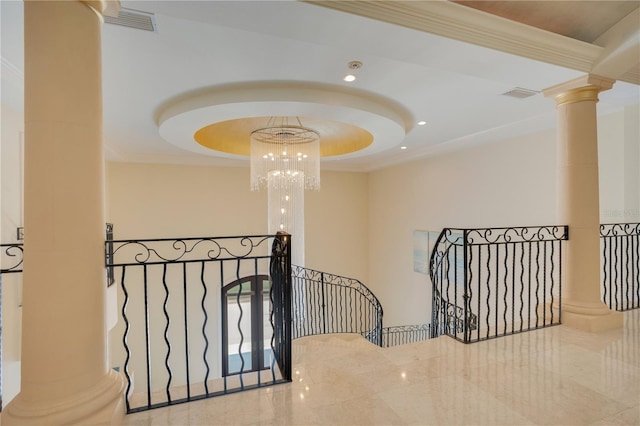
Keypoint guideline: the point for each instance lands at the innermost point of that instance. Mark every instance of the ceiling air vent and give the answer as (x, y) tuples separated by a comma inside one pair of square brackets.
[(520, 93), (133, 19)]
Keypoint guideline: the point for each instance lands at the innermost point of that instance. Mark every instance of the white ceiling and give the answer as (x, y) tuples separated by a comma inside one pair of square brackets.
[(455, 86)]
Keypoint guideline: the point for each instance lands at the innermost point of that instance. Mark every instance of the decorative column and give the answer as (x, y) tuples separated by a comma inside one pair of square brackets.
[(64, 370), (579, 201)]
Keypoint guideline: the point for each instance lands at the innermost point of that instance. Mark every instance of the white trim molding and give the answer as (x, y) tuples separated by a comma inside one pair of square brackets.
[(469, 25)]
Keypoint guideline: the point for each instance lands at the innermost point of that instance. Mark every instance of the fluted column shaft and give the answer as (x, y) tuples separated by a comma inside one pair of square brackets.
[(579, 201), (64, 371)]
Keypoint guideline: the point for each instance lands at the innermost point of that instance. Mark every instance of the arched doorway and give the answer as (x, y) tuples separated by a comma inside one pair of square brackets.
[(246, 325)]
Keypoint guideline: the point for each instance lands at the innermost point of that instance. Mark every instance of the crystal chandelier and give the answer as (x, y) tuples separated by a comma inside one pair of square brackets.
[(286, 159)]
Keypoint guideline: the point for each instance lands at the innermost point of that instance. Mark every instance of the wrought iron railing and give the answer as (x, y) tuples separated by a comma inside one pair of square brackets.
[(620, 243), (405, 334), (448, 312), (326, 303), (11, 258), (171, 294), (11, 255), (494, 282)]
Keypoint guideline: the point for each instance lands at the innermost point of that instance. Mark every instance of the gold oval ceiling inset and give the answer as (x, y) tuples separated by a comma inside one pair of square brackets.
[(233, 136), (351, 122)]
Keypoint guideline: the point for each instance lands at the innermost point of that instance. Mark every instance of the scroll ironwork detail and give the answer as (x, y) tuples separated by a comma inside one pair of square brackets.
[(482, 273), (12, 257), (620, 244)]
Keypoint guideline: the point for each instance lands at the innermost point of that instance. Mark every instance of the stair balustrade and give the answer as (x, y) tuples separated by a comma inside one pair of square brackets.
[(493, 282), (620, 243), (172, 292), (327, 303)]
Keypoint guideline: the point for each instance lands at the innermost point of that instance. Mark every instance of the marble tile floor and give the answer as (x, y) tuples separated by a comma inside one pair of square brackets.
[(554, 376)]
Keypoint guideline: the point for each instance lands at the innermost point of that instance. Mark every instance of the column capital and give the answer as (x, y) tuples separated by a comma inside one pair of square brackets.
[(104, 7), (100, 7), (584, 88)]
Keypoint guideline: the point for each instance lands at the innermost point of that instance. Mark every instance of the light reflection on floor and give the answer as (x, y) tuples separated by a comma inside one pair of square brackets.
[(556, 376)]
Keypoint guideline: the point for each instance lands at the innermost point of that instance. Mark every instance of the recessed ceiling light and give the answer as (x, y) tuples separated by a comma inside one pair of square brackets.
[(349, 77), (403, 147), (421, 123)]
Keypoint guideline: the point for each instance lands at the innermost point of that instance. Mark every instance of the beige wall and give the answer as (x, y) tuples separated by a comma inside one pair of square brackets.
[(619, 157), (11, 152), (159, 200), (337, 225), (510, 182), (11, 204), (632, 163), (611, 155)]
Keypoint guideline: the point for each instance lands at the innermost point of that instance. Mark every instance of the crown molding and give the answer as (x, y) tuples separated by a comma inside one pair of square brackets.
[(620, 58), (631, 76), (469, 25)]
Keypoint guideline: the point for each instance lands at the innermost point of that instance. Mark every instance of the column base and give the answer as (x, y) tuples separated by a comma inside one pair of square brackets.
[(591, 318), (101, 405)]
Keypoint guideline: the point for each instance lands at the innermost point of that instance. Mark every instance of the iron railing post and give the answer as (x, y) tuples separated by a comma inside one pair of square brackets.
[(380, 328), (465, 296), (286, 373), (324, 306)]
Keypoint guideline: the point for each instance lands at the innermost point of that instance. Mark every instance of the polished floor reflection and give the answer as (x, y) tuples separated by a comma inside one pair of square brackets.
[(555, 376)]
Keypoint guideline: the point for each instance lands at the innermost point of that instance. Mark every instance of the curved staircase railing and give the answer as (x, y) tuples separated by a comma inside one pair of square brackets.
[(450, 313), (493, 282), (405, 334), (326, 303)]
